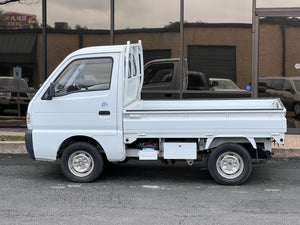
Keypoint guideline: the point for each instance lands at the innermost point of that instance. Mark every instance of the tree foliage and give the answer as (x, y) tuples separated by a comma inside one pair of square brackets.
[(291, 21), (176, 24), (3, 2), (2, 24), (79, 27)]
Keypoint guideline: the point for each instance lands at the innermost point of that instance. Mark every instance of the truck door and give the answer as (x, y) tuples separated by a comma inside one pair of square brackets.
[(83, 105)]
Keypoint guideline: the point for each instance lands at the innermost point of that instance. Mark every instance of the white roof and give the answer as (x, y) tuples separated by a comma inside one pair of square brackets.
[(99, 49)]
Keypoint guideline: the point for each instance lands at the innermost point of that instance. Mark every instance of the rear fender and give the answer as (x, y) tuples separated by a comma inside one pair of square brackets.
[(216, 141)]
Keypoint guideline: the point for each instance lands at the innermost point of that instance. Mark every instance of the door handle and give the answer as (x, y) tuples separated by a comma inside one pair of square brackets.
[(104, 113)]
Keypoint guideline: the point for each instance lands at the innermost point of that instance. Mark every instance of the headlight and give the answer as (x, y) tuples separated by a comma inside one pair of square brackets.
[(28, 120), (5, 95)]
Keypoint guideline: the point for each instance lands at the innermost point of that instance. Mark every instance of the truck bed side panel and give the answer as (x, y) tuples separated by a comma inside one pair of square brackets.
[(181, 122)]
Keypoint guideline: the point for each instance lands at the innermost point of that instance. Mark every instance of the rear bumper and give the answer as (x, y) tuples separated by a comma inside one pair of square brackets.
[(29, 143)]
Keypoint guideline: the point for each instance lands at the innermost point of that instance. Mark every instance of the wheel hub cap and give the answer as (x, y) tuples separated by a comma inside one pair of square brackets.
[(81, 163), (230, 165)]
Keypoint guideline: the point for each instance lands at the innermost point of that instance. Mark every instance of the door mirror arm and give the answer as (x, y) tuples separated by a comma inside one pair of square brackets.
[(290, 90)]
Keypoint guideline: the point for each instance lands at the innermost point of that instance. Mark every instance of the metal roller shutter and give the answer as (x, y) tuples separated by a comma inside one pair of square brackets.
[(156, 54), (215, 61)]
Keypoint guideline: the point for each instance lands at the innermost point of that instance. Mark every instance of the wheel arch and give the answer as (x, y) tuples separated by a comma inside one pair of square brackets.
[(217, 141), (79, 138)]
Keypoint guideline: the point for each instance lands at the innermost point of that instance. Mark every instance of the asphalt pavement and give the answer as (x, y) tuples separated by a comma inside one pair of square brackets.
[(147, 193)]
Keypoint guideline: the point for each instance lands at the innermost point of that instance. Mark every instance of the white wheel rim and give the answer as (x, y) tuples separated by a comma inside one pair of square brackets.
[(81, 163), (230, 165)]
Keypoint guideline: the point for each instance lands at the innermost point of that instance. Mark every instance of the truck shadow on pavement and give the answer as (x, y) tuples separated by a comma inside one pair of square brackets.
[(155, 171), (134, 171)]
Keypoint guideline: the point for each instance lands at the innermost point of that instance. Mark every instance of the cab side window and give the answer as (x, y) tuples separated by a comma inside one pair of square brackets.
[(277, 84), (85, 75), (287, 86)]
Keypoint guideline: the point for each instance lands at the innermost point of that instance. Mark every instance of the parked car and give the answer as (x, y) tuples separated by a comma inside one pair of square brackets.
[(285, 88), (4, 96), (220, 84), (9, 89)]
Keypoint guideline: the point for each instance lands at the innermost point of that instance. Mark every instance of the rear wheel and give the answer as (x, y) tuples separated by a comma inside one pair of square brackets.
[(297, 110), (81, 162), (230, 164)]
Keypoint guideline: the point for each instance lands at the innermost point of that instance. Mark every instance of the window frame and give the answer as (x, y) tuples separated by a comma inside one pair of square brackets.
[(79, 91)]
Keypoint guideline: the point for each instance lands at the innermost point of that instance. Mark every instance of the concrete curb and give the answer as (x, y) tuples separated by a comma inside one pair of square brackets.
[(18, 147), (12, 122), (12, 147), (286, 153)]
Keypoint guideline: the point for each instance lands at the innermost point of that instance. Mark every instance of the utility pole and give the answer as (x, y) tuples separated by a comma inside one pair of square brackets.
[(181, 46), (112, 22), (44, 12), (255, 52)]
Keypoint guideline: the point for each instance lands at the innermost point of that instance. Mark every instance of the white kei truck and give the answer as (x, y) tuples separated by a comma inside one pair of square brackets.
[(89, 112)]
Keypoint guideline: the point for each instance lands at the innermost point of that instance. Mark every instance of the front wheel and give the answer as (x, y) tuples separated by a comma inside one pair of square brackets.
[(81, 162), (230, 164)]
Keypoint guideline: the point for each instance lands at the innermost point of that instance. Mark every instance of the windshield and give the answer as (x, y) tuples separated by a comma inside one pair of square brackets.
[(12, 84), (225, 84), (297, 85)]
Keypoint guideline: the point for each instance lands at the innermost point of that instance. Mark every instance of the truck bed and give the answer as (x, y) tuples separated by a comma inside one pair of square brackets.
[(259, 118)]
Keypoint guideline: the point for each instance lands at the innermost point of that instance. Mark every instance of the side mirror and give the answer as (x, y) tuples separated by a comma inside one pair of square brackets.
[(50, 93), (290, 90)]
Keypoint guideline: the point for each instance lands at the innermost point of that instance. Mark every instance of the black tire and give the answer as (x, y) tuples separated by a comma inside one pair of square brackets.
[(24, 110), (81, 162), (297, 110), (230, 164)]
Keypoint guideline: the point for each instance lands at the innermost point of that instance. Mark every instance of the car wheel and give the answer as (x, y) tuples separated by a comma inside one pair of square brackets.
[(297, 110), (230, 164), (82, 162)]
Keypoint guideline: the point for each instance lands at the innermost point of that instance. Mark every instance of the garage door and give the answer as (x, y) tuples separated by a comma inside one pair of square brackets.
[(216, 61), (156, 54)]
